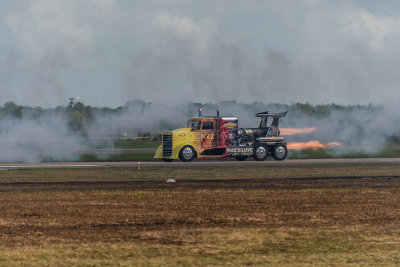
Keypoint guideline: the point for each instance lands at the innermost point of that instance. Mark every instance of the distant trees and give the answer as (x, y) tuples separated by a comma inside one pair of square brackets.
[(326, 109), (80, 117), (10, 109)]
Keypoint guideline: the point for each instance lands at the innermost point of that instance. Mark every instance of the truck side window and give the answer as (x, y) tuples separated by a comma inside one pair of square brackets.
[(195, 125), (208, 125)]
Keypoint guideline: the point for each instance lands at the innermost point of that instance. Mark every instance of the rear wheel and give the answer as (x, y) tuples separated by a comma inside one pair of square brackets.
[(167, 160), (279, 152), (187, 153), (241, 158), (260, 152)]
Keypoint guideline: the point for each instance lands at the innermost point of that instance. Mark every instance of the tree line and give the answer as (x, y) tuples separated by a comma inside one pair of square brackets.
[(79, 116)]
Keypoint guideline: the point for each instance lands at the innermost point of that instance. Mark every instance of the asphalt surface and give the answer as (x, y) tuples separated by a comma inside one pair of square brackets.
[(177, 163)]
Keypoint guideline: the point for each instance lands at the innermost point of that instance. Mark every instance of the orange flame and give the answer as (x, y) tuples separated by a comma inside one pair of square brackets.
[(314, 145), (293, 131)]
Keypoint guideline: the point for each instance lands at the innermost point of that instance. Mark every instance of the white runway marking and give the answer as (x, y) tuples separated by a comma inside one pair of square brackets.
[(30, 166), (205, 163)]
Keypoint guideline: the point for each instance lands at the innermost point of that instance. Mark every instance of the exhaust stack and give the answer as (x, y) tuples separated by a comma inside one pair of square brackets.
[(218, 127)]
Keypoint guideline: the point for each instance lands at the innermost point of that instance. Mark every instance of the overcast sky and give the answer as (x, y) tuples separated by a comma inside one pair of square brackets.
[(173, 51)]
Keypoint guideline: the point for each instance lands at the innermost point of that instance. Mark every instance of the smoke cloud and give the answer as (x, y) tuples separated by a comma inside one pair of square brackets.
[(108, 52), (175, 53), (359, 128), (35, 134), (36, 140)]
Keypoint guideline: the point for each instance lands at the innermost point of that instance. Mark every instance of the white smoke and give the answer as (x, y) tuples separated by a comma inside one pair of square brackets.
[(138, 119), (46, 138), (359, 128), (47, 25), (32, 138), (107, 52), (178, 52), (180, 37)]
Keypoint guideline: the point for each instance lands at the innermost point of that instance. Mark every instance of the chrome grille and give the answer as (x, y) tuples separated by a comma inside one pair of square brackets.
[(167, 145)]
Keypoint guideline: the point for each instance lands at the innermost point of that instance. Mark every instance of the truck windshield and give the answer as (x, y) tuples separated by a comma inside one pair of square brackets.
[(195, 125)]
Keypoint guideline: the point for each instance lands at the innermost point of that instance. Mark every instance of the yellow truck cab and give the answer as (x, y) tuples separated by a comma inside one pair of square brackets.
[(198, 140)]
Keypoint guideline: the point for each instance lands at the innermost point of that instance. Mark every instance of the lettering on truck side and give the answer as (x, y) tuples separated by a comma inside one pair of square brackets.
[(195, 136), (240, 151)]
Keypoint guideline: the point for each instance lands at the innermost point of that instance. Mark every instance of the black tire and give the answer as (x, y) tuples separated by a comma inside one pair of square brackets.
[(279, 152), (167, 160), (187, 153), (260, 152), (241, 158)]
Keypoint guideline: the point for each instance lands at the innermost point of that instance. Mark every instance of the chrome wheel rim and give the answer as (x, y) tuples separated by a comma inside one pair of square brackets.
[(187, 153), (280, 152), (261, 152)]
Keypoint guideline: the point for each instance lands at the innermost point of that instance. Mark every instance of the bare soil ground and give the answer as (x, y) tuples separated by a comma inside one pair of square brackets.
[(33, 213), (257, 220)]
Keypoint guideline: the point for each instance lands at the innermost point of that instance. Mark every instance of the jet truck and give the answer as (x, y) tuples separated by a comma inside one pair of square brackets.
[(219, 137)]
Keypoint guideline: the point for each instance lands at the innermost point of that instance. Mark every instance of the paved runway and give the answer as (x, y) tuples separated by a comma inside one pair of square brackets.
[(177, 163)]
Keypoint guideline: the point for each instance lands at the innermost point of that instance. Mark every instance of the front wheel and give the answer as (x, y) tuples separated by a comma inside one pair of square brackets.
[(187, 153), (279, 152), (260, 152)]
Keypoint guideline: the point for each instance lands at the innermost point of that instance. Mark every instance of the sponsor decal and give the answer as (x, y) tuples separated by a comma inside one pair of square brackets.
[(230, 125), (240, 151), (195, 136)]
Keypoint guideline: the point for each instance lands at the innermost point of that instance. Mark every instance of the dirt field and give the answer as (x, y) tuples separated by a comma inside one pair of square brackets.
[(303, 218)]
